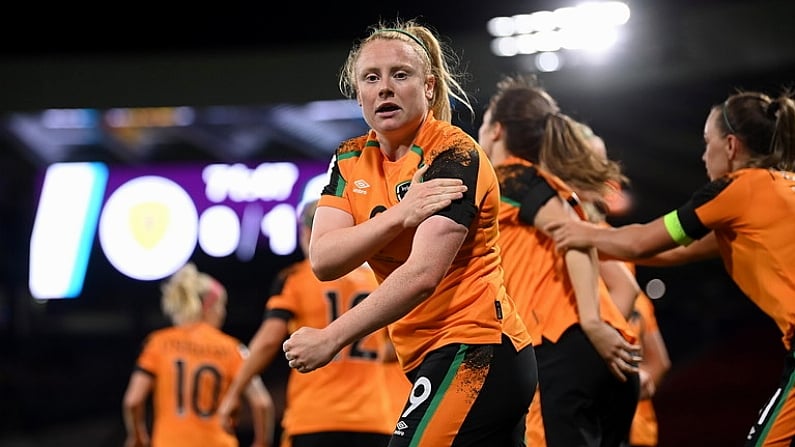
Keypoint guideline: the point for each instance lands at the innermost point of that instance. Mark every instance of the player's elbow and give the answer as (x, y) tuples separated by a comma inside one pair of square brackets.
[(665, 366), (131, 404), (425, 279), (261, 402), (324, 268), (426, 285), (326, 273)]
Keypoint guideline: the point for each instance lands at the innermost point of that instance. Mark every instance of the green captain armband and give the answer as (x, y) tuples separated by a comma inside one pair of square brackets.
[(675, 230)]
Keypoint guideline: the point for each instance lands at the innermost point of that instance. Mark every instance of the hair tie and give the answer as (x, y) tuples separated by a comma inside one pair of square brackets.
[(213, 293), (772, 109), (772, 113), (726, 117), (408, 34), (550, 115)]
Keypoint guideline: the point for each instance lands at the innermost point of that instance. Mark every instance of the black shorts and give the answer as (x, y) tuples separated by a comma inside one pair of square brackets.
[(339, 439), (469, 395), (582, 402), (776, 423)]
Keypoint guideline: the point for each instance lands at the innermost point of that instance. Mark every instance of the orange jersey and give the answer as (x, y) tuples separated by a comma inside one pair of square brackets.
[(193, 366), (644, 424), (751, 212), (536, 277), (350, 393), (470, 304)]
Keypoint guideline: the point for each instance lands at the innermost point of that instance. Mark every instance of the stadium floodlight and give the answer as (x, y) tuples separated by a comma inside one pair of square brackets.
[(590, 26)]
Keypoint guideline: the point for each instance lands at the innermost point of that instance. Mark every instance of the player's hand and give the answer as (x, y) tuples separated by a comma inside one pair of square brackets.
[(620, 356), (569, 234), (423, 199), (228, 412), (136, 440), (308, 349)]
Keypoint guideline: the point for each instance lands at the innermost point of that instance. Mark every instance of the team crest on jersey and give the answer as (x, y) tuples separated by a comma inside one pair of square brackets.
[(401, 189)]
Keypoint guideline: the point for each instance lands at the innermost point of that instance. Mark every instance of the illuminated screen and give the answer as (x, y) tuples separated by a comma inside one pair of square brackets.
[(148, 221)]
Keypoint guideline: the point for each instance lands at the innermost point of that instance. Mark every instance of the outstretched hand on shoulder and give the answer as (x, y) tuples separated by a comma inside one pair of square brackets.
[(572, 233)]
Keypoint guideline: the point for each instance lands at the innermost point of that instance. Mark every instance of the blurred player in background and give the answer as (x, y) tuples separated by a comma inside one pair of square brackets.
[(347, 403), (187, 367)]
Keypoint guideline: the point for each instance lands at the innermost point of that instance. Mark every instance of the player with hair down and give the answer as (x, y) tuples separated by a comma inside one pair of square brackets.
[(744, 215)]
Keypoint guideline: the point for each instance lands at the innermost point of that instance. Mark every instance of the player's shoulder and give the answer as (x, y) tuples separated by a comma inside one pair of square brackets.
[(516, 168), (296, 268), (216, 336), (297, 272), (156, 337), (445, 140), (351, 147), (163, 332)]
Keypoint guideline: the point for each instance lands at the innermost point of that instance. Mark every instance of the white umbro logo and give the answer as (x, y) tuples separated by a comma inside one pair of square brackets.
[(400, 429), (361, 185)]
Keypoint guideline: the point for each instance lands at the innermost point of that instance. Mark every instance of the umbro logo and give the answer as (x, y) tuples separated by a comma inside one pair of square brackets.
[(400, 429), (361, 186)]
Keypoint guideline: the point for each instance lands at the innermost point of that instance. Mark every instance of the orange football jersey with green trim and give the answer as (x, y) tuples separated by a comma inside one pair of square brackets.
[(751, 212), (470, 304), (536, 277)]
